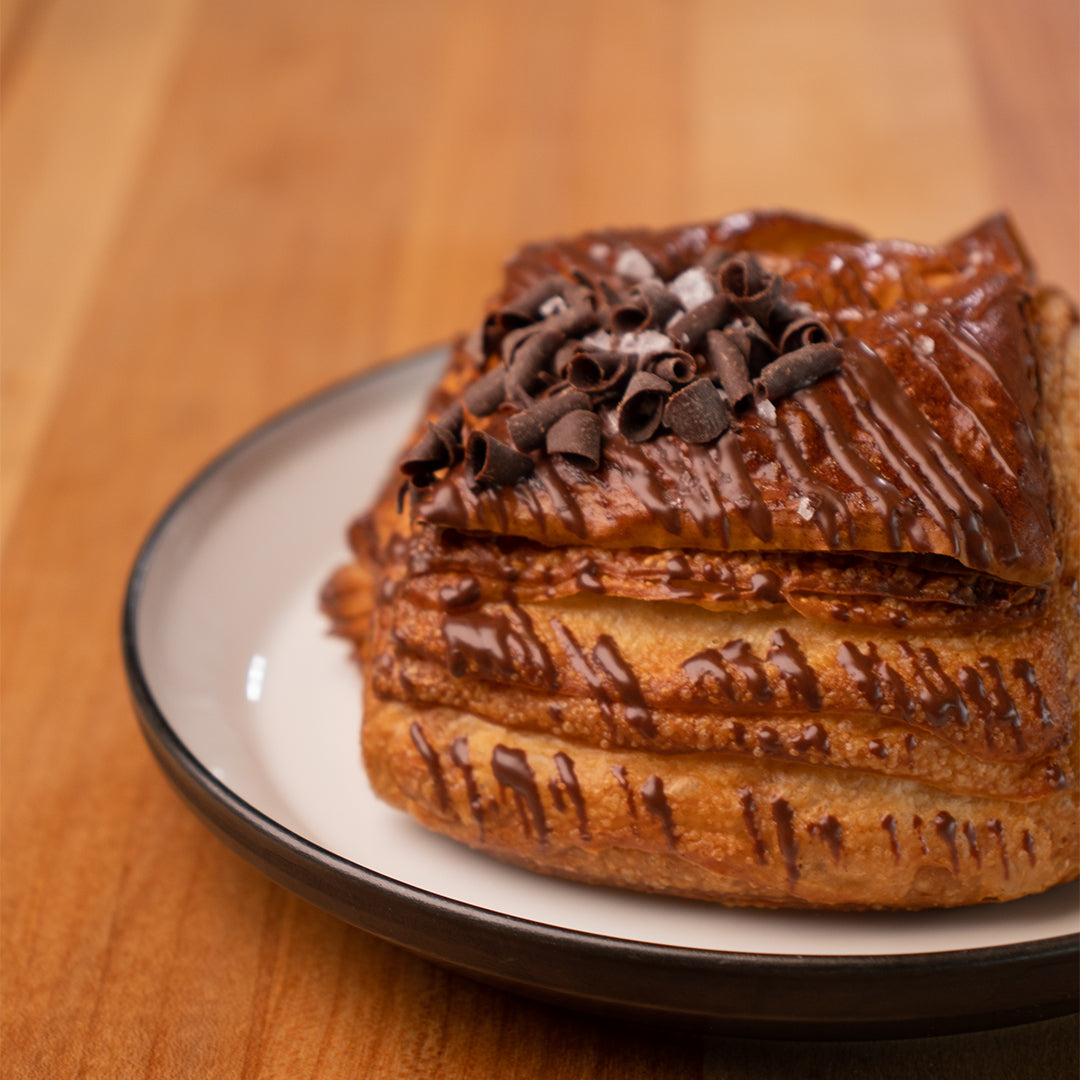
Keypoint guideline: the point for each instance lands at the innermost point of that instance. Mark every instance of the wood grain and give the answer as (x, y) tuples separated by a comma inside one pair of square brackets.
[(81, 94), (214, 208)]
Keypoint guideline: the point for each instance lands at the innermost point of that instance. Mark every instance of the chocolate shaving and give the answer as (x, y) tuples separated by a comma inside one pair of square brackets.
[(575, 320), (753, 342), (797, 369), (525, 308), (438, 448), (783, 313), (527, 428), (806, 330), (512, 341), (727, 362), (490, 463), (452, 418), (698, 413), (651, 304), (749, 286), (560, 363), (642, 406), (676, 367), (689, 329), (578, 436), (530, 358), (578, 294), (491, 337), (485, 395), (598, 371), (571, 346)]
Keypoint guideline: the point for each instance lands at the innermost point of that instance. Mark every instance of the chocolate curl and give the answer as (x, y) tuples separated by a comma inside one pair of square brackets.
[(437, 449), (525, 307), (642, 406), (485, 395), (527, 429), (753, 342), (651, 304), (579, 294), (785, 312), (749, 286), (529, 361), (698, 413), (797, 369), (728, 364), (491, 337), (598, 372), (560, 362), (575, 320), (807, 330), (512, 342), (689, 329), (577, 435), (490, 463), (676, 367), (452, 417), (608, 294)]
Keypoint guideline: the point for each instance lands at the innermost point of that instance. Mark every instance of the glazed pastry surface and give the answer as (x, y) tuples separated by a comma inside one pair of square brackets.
[(738, 561)]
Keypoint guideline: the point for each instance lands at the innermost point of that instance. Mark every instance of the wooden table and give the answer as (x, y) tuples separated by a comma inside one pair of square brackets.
[(214, 207)]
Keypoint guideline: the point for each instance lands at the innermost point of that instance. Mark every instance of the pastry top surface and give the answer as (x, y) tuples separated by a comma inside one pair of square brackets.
[(595, 406)]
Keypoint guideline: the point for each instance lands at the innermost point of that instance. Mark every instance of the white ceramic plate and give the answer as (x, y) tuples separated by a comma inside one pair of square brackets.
[(254, 712)]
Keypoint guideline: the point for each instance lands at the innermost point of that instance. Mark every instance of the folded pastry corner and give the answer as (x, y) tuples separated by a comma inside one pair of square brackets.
[(739, 561)]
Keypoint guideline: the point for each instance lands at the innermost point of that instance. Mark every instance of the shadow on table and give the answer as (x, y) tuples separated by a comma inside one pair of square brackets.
[(1049, 1050)]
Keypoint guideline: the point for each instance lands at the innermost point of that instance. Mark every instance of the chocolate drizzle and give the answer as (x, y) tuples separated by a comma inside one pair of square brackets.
[(786, 656), (995, 826), (619, 772), (749, 810), (574, 653), (939, 696), (489, 645), (888, 823), (511, 769), (832, 832), (973, 843), (431, 760), (461, 594), (783, 819), (655, 801), (459, 755), (861, 671), (565, 767), (740, 656), (1024, 670), (945, 824), (607, 657), (812, 737), (965, 509), (705, 665), (1027, 842)]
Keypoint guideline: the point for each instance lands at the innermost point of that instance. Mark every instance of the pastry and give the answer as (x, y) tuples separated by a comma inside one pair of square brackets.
[(738, 561)]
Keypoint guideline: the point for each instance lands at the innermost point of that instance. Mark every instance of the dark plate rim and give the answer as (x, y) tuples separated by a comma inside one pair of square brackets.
[(861, 996)]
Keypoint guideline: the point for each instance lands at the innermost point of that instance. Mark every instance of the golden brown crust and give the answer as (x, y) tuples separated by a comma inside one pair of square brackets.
[(768, 834), (921, 442), (775, 723)]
